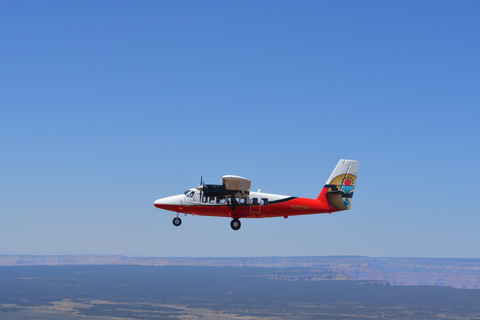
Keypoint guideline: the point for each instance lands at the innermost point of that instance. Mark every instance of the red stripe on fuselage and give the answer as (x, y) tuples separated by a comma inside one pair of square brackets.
[(293, 207)]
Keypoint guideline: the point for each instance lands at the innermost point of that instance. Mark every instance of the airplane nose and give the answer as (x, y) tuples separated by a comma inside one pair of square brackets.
[(160, 202), (174, 200)]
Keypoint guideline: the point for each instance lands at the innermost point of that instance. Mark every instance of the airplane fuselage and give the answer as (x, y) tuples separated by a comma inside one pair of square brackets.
[(255, 205)]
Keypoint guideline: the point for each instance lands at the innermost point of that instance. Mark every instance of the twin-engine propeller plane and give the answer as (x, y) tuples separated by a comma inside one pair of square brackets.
[(234, 199)]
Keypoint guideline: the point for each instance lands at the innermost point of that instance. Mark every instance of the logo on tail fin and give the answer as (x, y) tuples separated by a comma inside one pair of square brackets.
[(341, 184)]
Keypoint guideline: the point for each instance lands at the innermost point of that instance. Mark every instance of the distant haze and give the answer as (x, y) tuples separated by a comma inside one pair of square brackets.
[(457, 273)]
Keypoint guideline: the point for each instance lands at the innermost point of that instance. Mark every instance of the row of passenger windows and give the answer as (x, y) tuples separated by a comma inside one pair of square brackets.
[(238, 200), (227, 200)]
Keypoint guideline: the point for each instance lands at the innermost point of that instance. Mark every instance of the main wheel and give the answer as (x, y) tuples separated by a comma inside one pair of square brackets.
[(177, 221), (235, 224)]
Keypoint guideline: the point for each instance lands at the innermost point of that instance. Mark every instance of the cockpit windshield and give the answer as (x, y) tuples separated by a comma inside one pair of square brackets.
[(189, 193)]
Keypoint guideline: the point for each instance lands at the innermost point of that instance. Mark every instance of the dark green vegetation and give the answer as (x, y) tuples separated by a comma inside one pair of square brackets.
[(139, 292)]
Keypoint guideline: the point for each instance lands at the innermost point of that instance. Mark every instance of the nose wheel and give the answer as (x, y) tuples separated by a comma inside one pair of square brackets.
[(235, 224), (177, 221)]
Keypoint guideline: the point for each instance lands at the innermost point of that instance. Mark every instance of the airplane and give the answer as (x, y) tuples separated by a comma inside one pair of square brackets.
[(233, 198)]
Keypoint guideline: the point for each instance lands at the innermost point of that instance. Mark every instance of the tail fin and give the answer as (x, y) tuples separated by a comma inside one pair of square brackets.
[(339, 187)]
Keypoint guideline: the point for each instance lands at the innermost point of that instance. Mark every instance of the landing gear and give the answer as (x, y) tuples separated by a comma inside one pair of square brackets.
[(235, 224), (177, 221)]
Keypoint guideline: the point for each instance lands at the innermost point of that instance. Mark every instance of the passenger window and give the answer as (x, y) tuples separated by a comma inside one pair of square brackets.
[(255, 201), (243, 200), (221, 200), (204, 199), (236, 200), (229, 201), (264, 202), (212, 199)]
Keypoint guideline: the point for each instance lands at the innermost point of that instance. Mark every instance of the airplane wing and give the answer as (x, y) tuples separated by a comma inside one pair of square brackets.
[(236, 183)]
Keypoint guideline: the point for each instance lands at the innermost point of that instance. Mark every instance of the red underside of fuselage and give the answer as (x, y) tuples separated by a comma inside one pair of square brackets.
[(294, 207)]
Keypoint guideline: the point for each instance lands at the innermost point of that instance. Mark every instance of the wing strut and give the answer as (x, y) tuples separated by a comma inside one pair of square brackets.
[(232, 201)]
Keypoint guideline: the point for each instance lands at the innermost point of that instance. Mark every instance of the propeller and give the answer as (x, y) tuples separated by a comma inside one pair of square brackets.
[(201, 186)]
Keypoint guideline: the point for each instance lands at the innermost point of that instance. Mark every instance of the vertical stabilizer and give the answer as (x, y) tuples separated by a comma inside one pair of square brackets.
[(341, 184)]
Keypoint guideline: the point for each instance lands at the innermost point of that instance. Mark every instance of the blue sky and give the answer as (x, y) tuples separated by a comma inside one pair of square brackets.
[(106, 106)]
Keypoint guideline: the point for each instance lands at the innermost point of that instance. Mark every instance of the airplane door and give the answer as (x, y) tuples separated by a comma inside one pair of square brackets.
[(188, 199), (255, 205)]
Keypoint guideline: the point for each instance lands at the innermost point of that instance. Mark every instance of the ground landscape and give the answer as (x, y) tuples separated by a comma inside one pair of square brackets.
[(457, 273), (114, 287)]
